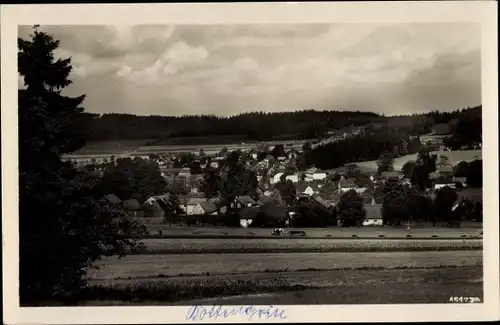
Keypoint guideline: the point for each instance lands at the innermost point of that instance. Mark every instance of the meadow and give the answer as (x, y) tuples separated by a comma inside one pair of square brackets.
[(151, 268), (453, 156), (388, 286), (117, 147), (354, 286)]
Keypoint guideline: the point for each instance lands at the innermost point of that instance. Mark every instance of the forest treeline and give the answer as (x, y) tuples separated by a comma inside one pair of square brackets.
[(258, 126)]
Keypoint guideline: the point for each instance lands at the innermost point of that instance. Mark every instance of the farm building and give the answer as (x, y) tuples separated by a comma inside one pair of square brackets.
[(373, 215)]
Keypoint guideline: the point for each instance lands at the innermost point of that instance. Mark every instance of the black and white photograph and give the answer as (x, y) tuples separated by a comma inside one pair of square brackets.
[(242, 169)]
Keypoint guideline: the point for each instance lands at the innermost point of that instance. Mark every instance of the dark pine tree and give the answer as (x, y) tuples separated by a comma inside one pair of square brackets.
[(63, 225)]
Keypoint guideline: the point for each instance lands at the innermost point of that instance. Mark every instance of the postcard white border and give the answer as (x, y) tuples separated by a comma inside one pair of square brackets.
[(482, 12)]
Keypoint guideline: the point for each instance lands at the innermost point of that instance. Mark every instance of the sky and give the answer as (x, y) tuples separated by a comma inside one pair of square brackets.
[(230, 69)]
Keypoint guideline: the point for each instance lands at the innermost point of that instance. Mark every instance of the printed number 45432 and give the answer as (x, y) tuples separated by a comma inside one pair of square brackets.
[(471, 300)]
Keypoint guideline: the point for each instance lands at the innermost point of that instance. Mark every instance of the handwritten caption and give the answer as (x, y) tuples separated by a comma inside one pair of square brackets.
[(198, 313)]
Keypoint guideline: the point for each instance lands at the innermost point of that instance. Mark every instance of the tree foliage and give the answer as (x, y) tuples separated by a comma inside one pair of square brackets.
[(63, 225), (404, 203), (444, 202), (313, 214), (133, 179), (385, 162), (287, 191), (350, 209), (424, 166)]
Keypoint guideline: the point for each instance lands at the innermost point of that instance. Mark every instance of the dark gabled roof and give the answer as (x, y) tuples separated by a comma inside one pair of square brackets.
[(208, 206), (112, 198), (245, 199), (132, 204), (249, 212), (373, 211)]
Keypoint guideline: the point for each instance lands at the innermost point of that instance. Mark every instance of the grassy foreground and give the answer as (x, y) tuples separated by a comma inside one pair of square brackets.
[(356, 286)]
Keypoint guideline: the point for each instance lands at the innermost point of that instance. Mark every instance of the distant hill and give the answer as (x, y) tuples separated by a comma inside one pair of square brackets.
[(258, 126)]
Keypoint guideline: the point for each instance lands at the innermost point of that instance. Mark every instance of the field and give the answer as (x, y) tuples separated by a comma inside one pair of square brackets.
[(110, 147), (391, 286), (146, 147), (291, 245), (357, 286), (148, 268), (453, 156), (316, 233)]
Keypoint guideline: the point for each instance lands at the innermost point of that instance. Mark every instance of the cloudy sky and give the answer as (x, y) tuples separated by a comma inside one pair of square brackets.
[(228, 69)]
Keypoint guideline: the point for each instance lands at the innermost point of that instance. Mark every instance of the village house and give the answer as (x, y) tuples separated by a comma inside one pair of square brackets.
[(345, 185), (373, 215), (308, 189), (199, 206), (443, 181), (314, 174), (243, 201)]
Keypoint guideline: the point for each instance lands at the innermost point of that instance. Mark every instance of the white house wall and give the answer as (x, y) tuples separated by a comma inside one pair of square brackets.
[(195, 209)]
